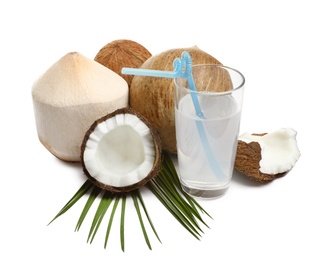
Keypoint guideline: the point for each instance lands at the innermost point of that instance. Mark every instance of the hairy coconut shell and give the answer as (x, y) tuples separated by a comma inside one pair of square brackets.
[(247, 162), (157, 148), (122, 53), (153, 97)]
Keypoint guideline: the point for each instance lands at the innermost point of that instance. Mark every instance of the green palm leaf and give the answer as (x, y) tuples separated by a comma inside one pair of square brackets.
[(167, 189), (111, 219), (178, 201), (171, 173), (101, 210), (87, 206), (135, 199), (83, 189), (147, 214), (172, 208), (122, 223)]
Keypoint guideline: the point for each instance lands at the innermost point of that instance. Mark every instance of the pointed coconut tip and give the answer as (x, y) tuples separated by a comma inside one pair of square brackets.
[(76, 79), (121, 152)]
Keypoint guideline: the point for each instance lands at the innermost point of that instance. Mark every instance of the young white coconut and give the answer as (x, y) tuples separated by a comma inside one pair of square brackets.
[(69, 97), (265, 157), (121, 151)]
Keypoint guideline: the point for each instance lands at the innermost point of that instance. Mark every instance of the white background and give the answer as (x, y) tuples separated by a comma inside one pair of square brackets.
[(273, 43)]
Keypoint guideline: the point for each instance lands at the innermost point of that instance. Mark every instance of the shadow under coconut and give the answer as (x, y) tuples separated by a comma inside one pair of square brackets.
[(244, 180), (76, 166)]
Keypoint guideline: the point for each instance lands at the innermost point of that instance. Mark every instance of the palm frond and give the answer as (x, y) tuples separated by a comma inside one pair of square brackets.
[(101, 210), (178, 201), (122, 223), (172, 208), (167, 189), (82, 190), (95, 192), (111, 219), (135, 199), (171, 175), (147, 214)]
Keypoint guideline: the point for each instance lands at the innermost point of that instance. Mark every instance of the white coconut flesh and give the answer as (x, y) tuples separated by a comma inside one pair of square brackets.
[(120, 151), (279, 150)]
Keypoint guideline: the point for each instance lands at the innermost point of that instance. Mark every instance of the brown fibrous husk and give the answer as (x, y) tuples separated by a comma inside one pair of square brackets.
[(153, 97), (122, 53), (247, 162)]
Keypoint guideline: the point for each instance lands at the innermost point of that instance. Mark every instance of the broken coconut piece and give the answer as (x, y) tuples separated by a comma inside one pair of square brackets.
[(264, 157), (121, 151)]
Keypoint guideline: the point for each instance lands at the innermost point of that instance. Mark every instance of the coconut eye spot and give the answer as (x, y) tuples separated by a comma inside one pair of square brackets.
[(120, 151)]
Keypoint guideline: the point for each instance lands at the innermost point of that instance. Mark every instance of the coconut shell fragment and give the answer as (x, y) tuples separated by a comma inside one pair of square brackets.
[(247, 162), (265, 157)]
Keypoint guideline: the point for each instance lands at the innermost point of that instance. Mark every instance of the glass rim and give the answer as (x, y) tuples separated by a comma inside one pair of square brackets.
[(213, 93)]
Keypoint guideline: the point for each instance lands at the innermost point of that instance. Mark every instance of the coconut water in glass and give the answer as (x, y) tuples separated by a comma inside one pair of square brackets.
[(208, 173)]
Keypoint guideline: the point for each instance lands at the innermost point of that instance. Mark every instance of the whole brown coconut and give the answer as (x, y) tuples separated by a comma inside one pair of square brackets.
[(122, 53), (153, 97)]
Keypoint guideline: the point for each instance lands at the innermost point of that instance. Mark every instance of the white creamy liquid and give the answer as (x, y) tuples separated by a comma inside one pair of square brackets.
[(221, 124)]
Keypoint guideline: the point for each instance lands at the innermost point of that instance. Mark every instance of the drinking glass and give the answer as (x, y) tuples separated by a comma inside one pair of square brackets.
[(207, 139)]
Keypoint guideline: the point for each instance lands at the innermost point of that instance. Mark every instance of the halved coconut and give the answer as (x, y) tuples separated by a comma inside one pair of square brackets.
[(121, 151)]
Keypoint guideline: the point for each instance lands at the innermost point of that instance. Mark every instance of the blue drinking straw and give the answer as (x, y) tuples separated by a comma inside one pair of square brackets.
[(183, 69)]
